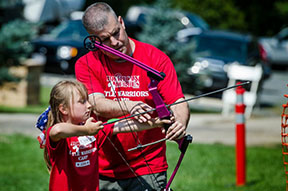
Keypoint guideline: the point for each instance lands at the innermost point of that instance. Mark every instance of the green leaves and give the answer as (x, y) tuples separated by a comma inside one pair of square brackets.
[(14, 42), (160, 30), (15, 46)]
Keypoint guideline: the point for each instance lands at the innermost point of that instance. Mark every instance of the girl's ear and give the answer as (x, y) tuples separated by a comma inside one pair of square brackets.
[(63, 109)]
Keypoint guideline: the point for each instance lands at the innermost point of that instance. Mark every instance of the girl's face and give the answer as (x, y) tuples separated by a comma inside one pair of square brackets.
[(80, 108)]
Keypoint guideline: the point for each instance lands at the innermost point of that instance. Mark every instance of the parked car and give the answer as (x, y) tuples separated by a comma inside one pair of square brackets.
[(214, 51), (62, 47), (275, 48), (136, 17)]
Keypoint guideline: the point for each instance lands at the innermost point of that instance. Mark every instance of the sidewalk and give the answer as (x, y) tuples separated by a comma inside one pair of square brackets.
[(262, 128), (214, 128), (19, 123), (205, 128)]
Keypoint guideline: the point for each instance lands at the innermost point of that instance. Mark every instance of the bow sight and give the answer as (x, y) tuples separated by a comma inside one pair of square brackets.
[(90, 41)]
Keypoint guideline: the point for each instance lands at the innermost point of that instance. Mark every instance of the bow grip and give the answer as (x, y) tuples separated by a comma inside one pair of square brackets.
[(184, 142), (166, 126)]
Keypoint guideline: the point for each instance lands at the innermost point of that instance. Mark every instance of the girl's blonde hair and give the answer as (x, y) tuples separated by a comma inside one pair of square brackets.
[(62, 93)]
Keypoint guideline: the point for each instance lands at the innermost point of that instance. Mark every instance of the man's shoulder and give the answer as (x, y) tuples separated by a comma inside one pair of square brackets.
[(144, 45), (85, 56), (148, 49), (87, 59)]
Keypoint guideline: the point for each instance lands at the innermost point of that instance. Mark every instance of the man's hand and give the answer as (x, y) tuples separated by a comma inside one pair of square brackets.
[(140, 107), (181, 113), (110, 109), (176, 131)]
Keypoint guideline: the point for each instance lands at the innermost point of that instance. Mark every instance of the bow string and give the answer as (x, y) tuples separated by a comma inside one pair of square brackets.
[(90, 44), (94, 43)]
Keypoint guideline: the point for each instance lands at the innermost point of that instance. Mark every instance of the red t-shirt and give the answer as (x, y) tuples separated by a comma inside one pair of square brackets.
[(75, 162), (130, 82)]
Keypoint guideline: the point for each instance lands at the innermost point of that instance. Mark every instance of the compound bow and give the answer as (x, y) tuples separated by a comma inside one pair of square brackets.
[(93, 43)]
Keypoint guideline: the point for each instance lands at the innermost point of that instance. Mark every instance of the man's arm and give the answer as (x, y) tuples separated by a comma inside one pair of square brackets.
[(133, 125), (182, 115), (110, 109)]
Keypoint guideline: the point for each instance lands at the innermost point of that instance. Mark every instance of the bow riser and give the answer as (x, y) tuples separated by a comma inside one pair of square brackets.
[(160, 106)]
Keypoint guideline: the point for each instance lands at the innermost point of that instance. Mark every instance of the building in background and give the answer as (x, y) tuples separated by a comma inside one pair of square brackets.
[(50, 10)]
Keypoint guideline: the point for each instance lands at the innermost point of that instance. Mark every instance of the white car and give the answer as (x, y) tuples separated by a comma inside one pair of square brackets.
[(275, 49)]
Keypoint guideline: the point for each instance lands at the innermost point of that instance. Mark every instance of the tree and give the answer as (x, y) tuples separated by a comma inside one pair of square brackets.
[(220, 14), (14, 40), (121, 6), (264, 17), (10, 10), (260, 18), (160, 30)]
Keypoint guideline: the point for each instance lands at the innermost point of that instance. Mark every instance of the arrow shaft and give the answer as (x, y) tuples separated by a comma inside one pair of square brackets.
[(186, 100)]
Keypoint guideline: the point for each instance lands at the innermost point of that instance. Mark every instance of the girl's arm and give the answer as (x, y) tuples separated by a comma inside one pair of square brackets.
[(63, 130), (133, 125)]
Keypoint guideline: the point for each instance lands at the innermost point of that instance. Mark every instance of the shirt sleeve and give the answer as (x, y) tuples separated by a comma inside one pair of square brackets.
[(170, 88), (53, 147), (85, 73)]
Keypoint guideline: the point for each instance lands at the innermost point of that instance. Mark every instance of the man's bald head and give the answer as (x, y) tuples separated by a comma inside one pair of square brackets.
[(95, 17)]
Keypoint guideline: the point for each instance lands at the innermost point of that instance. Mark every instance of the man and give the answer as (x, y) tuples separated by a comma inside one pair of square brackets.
[(118, 88)]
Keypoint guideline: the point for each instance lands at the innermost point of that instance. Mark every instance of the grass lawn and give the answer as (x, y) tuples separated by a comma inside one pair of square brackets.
[(205, 167)]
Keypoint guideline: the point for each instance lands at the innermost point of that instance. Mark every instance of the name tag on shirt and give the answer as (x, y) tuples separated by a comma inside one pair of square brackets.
[(86, 140)]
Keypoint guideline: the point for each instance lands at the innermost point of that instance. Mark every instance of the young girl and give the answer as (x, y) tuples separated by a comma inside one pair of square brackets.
[(73, 138)]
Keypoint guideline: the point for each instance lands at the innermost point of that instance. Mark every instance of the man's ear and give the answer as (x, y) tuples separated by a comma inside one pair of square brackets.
[(63, 109), (121, 21)]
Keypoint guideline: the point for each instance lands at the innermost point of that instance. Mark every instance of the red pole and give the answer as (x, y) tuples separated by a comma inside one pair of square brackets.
[(240, 137), (284, 139)]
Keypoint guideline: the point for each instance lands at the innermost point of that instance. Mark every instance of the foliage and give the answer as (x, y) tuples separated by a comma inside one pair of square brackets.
[(256, 17), (253, 16), (204, 167), (14, 42), (160, 30), (5, 4), (121, 6), (282, 8), (264, 17), (222, 14)]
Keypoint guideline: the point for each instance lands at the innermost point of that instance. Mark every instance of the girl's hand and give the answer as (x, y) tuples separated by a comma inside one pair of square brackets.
[(93, 127)]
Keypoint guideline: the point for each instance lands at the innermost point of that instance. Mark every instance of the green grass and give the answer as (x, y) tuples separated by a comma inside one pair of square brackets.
[(212, 167), (21, 164), (205, 167)]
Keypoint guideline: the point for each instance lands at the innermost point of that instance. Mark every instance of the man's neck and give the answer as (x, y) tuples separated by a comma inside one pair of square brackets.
[(130, 51), (132, 46)]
